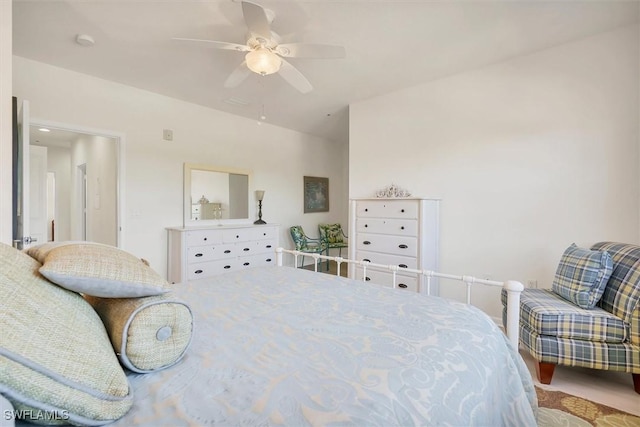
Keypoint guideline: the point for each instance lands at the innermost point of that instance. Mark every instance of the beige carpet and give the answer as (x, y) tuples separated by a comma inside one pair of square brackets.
[(561, 409)]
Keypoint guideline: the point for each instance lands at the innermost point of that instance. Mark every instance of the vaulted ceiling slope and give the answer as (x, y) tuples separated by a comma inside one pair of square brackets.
[(389, 45)]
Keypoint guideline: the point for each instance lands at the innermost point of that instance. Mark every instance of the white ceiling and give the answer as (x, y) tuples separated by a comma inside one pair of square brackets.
[(53, 138), (390, 45)]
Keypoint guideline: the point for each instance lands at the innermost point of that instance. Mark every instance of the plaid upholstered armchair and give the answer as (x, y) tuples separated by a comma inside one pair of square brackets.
[(590, 317)]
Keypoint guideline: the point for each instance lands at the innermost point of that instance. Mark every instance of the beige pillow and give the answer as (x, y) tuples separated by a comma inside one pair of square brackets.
[(56, 361), (148, 334), (97, 269)]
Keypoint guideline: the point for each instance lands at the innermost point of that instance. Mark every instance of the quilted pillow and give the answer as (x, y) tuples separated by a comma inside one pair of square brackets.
[(56, 361), (148, 334), (97, 269), (582, 275)]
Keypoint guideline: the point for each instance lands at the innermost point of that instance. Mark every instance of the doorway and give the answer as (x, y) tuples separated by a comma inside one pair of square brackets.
[(87, 193)]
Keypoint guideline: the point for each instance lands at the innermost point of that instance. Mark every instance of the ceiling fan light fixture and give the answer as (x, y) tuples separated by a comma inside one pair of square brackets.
[(263, 61)]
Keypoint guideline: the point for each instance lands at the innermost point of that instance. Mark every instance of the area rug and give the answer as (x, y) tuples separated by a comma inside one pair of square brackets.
[(561, 409)]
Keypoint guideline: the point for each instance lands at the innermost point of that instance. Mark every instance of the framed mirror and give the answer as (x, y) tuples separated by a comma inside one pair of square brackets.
[(215, 195)]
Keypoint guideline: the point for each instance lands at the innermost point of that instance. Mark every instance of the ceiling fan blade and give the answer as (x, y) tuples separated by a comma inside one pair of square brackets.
[(256, 19), (310, 50), (294, 77), (237, 76), (218, 45)]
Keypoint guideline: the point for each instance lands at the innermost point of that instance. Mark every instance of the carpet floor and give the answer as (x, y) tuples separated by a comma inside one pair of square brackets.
[(562, 409)]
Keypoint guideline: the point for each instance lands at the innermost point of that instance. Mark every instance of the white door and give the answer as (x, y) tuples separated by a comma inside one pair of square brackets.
[(38, 193)]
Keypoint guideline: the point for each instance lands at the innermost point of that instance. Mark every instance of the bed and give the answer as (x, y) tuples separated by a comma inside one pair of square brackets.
[(287, 346)]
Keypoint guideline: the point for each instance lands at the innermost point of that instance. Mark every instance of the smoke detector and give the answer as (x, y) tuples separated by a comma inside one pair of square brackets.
[(85, 40)]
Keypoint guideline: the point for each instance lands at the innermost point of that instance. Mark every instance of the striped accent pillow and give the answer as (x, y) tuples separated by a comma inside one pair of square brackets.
[(582, 275)]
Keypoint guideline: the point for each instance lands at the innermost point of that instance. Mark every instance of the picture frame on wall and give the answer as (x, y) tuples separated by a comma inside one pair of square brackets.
[(316, 194)]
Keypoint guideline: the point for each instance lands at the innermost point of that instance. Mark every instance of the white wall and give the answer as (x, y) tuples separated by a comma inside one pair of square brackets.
[(6, 208), (278, 157), (98, 154), (528, 156)]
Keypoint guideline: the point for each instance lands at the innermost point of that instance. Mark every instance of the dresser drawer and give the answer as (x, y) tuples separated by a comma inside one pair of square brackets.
[(203, 237), (211, 268), (403, 282), (265, 233), (210, 252), (265, 247), (387, 259), (395, 245), (238, 235), (387, 209), (400, 227), (258, 260)]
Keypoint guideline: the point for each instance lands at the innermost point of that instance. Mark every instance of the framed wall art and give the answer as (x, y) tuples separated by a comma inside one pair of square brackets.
[(316, 194)]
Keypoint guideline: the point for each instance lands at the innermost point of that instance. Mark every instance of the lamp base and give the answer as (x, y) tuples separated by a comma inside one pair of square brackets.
[(259, 222)]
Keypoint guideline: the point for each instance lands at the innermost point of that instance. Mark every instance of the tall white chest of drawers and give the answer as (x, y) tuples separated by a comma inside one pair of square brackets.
[(199, 252), (402, 232)]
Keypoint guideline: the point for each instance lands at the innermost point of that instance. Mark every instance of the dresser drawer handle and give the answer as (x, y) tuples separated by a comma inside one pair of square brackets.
[(402, 210), (367, 278), (402, 228), (228, 251), (403, 266), (246, 264), (237, 236), (264, 234), (366, 225), (246, 249), (198, 271), (268, 259), (367, 259), (402, 285), (227, 267), (205, 239), (403, 246), (268, 246), (366, 242), (198, 255), (366, 210)]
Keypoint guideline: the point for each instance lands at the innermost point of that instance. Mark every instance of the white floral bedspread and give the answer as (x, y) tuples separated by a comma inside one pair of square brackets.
[(284, 346)]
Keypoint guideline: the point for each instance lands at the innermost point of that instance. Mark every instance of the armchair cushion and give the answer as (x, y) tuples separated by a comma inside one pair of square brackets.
[(582, 275), (546, 313)]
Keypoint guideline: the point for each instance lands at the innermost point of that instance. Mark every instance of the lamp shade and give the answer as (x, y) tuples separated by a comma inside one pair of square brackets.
[(263, 61), (260, 194)]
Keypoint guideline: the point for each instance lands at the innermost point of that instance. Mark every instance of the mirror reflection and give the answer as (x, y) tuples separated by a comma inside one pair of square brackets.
[(215, 194)]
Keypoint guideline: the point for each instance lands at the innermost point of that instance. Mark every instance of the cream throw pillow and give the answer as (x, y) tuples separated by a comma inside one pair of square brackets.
[(148, 334), (98, 270), (56, 361)]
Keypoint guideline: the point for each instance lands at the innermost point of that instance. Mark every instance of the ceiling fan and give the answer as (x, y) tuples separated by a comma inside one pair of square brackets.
[(265, 54)]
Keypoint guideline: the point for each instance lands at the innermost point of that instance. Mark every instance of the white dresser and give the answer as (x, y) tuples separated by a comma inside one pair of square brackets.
[(401, 232), (199, 252)]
